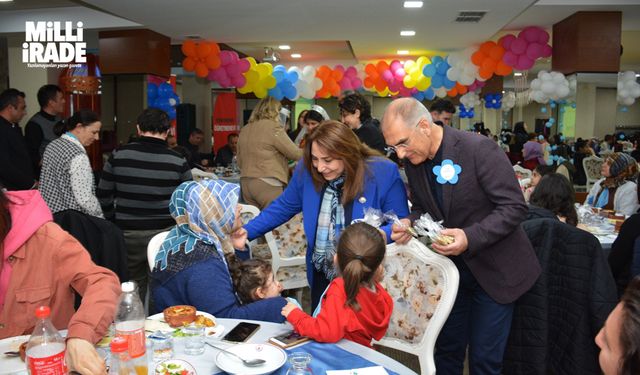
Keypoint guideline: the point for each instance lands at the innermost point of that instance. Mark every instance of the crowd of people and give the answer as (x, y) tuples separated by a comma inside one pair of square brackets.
[(330, 171)]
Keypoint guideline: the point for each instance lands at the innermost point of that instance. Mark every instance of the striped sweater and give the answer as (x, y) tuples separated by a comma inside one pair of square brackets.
[(137, 183)]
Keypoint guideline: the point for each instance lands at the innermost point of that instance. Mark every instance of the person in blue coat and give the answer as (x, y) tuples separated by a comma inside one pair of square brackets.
[(338, 178), (191, 266)]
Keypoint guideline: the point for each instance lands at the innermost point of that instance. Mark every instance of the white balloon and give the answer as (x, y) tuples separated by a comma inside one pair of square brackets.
[(535, 84), (628, 101), (441, 92), (629, 76)]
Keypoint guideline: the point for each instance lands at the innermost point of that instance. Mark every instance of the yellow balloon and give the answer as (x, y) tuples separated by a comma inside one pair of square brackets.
[(423, 83), (409, 81), (408, 65), (252, 62), (260, 92), (268, 82), (251, 76)]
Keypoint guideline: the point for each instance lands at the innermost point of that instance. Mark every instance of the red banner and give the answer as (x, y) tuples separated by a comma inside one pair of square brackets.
[(225, 118)]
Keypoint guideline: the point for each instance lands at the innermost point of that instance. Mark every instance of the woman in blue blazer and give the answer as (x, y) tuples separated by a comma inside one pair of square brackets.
[(338, 178)]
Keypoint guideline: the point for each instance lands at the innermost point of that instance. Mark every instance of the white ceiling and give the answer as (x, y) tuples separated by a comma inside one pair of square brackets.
[(341, 31)]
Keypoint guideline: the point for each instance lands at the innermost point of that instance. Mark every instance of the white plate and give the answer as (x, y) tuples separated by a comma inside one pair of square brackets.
[(181, 365), (156, 323), (274, 357), (12, 365)]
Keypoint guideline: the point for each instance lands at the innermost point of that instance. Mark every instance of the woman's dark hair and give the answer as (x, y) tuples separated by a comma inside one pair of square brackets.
[(5, 218), (341, 143), (313, 115), (247, 276), (543, 170), (154, 120), (360, 251), (83, 117), (533, 136), (302, 115), (355, 101), (630, 330), (555, 193), (519, 127)]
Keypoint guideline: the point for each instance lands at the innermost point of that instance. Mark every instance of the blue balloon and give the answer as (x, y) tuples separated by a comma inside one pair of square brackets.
[(292, 77), (442, 68), (172, 113), (562, 109), (152, 92), (429, 71), (554, 147), (541, 138), (624, 109), (548, 124), (429, 94), (573, 105), (621, 136), (562, 138), (552, 120), (437, 81), (418, 95), (276, 93), (553, 104), (279, 68), (548, 148), (549, 162), (543, 109), (447, 83), (437, 59), (278, 75), (165, 90)]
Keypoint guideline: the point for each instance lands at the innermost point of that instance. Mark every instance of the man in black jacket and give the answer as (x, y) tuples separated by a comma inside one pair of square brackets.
[(39, 130), (355, 111), (16, 171)]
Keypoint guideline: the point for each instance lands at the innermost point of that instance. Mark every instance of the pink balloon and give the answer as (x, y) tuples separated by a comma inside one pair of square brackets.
[(399, 74), (546, 50), (395, 86), (225, 57), (351, 71), (395, 65), (530, 34), (524, 63), (510, 58), (356, 83), (339, 68), (506, 41), (534, 50), (519, 45), (244, 65), (387, 76), (543, 37), (239, 81)]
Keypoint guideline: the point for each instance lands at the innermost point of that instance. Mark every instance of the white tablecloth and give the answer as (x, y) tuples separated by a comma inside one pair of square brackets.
[(205, 365)]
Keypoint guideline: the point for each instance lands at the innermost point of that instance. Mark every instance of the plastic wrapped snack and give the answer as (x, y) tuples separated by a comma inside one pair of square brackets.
[(392, 217), (426, 226), (373, 217)]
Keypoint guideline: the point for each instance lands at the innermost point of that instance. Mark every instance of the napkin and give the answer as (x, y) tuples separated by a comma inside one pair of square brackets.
[(374, 370)]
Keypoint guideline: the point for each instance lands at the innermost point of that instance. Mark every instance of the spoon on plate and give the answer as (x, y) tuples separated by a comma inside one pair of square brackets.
[(247, 362)]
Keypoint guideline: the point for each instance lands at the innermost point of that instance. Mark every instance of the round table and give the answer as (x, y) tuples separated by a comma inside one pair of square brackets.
[(205, 363)]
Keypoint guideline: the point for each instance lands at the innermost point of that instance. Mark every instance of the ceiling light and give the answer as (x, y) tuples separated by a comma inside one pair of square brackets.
[(5, 1), (517, 74), (413, 4), (296, 55), (407, 33), (403, 52), (284, 46)]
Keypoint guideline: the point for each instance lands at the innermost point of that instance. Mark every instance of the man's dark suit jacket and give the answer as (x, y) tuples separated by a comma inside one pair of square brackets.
[(488, 205)]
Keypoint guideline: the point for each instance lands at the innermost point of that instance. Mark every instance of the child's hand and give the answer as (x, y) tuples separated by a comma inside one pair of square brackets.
[(239, 239), (288, 308)]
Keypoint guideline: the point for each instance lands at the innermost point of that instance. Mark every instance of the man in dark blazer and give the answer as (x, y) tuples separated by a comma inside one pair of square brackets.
[(467, 181)]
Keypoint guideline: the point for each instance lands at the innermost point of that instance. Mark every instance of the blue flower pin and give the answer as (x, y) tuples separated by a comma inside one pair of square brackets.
[(447, 172)]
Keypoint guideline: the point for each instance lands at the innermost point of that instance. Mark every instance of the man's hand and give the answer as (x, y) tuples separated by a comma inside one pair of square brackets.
[(458, 246), (239, 238), (399, 233), (82, 357)]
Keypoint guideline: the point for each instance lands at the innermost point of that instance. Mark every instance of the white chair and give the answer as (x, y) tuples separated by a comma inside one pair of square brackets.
[(592, 165), (201, 175), (286, 246), (154, 246), (423, 285), (521, 172)]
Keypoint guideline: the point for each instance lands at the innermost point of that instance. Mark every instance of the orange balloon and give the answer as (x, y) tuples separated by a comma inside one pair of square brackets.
[(496, 52), (215, 48), (369, 82), (381, 66), (189, 48), (452, 93), (381, 84), (203, 50), (461, 89), (212, 61), (486, 47), (189, 64), (370, 69), (201, 70), (478, 57), (503, 69), (485, 73), (489, 65)]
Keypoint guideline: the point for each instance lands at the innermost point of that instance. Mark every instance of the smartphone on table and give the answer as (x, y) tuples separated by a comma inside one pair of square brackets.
[(241, 332), (288, 339)]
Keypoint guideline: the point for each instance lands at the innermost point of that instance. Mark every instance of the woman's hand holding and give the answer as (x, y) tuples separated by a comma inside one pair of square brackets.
[(239, 238)]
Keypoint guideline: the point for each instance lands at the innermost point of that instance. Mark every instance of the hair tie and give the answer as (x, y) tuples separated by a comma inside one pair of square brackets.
[(359, 257)]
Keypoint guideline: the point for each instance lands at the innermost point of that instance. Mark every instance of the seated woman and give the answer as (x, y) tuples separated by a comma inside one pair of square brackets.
[(617, 189), (553, 197), (621, 258), (540, 171), (532, 152), (190, 267), (338, 179), (619, 338), (43, 265)]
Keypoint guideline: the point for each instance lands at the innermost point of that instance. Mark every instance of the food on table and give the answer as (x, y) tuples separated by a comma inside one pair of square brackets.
[(203, 321), (23, 350), (178, 316), (174, 367)]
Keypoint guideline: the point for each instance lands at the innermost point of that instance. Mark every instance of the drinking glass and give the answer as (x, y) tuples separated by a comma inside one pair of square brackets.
[(299, 364), (194, 339)]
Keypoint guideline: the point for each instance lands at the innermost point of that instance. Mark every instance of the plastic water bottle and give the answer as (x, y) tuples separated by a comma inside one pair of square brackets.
[(130, 324), (46, 348), (234, 164), (120, 360)]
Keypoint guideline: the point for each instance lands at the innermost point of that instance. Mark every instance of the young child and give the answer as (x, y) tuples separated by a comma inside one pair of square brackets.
[(253, 279), (355, 306)]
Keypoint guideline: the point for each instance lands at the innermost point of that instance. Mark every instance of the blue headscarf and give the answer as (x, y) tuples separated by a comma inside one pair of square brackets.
[(204, 211)]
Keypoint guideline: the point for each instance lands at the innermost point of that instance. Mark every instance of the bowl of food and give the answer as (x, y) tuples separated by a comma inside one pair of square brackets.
[(175, 367), (180, 315)]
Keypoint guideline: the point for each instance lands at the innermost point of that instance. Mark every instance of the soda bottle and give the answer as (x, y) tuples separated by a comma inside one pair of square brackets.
[(46, 348), (120, 360), (129, 323)]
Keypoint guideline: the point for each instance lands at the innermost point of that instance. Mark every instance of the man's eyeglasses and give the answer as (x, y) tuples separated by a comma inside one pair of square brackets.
[(402, 144)]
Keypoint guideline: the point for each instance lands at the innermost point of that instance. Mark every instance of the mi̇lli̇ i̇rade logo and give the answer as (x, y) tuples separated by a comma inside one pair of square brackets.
[(50, 45)]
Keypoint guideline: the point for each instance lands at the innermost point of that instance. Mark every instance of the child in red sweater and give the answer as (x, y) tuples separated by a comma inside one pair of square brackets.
[(355, 306)]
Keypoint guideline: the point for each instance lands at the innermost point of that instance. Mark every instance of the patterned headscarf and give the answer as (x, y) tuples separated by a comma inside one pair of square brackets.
[(622, 168), (204, 211)]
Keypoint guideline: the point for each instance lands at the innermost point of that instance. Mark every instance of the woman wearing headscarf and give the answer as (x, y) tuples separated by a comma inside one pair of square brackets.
[(191, 267), (617, 189), (337, 180)]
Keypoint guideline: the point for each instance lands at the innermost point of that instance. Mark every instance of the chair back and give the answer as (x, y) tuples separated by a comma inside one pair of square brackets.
[(423, 286), (592, 165), (286, 246), (154, 246), (201, 175)]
